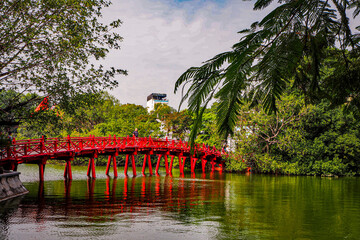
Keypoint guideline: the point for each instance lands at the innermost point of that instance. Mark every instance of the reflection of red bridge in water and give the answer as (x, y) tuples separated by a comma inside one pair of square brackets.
[(127, 195), (38, 151)]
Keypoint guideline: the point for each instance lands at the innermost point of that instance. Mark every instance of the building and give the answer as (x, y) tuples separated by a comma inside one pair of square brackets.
[(154, 98)]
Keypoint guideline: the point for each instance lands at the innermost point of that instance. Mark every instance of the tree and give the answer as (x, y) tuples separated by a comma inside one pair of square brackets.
[(50, 48), (290, 43), (102, 115), (298, 139), (207, 132), (178, 123)]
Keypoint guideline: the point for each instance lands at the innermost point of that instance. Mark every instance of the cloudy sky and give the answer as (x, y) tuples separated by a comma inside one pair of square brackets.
[(163, 38)]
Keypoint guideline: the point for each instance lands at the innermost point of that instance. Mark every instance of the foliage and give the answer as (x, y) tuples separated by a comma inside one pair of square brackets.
[(50, 48), (235, 163), (291, 42), (208, 129), (175, 124), (299, 139), (101, 115)]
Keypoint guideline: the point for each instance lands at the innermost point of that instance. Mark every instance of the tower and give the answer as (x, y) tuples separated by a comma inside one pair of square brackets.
[(154, 98)]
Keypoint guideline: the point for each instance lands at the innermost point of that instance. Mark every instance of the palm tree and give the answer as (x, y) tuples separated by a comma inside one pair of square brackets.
[(289, 45)]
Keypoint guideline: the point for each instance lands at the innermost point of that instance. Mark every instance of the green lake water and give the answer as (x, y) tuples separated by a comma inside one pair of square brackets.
[(210, 206)]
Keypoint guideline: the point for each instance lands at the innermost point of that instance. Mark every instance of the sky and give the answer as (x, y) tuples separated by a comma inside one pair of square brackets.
[(163, 38)]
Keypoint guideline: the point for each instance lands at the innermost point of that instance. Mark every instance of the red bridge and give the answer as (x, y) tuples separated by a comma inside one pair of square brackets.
[(38, 151)]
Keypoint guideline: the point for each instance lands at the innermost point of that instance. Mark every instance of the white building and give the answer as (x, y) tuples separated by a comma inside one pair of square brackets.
[(154, 98)]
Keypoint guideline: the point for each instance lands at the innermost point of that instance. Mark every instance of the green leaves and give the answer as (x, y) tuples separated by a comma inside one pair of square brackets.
[(50, 47), (298, 139), (289, 43)]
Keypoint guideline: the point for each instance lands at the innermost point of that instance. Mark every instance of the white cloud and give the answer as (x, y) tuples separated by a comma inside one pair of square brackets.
[(163, 39)]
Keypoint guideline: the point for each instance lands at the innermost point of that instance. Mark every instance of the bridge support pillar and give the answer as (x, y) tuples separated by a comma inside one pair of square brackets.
[(193, 163), (113, 159), (171, 164), (67, 171), (41, 171), (132, 164), (91, 168), (203, 163), (147, 157), (115, 166), (166, 163), (126, 164), (181, 163), (108, 165), (180, 166), (144, 165), (158, 164), (212, 165)]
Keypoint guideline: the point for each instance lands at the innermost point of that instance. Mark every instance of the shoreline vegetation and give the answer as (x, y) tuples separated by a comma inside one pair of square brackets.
[(300, 139)]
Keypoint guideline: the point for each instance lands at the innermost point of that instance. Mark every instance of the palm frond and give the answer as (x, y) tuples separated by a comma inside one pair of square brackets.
[(289, 43), (261, 4), (229, 98)]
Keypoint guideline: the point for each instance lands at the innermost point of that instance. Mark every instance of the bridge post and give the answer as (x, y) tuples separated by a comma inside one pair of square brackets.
[(144, 164), (212, 165), (91, 167), (115, 166), (148, 159), (108, 165), (41, 171), (67, 171), (149, 163), (158, 164), (133, 164), (193, 163), (42, 165), (111, 158), (180, 160), (203, 163), (181, 163), (166, 163), (171, 164), (126, 164)]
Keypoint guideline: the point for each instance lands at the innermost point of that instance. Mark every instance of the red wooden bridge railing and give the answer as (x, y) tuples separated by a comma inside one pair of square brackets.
[(38, 151)]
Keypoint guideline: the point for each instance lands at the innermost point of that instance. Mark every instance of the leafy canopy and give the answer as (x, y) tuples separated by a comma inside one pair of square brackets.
[(50, 48), (290, 43)]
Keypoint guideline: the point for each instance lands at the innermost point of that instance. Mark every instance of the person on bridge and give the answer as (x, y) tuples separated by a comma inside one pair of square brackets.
[(136, 133)]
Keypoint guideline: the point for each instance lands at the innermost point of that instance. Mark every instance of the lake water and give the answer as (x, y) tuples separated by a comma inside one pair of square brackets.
[(211, 206)]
